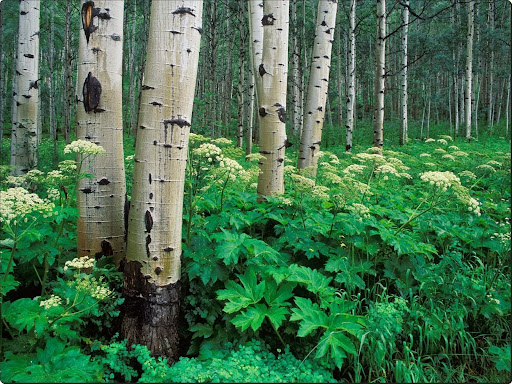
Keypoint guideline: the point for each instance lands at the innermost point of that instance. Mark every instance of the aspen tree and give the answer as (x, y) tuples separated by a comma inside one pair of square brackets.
[(469, 68), (273, 73), (380, 63), (351, 89), (491, 63), (68, 76), (24, 143), (101, 199), (153, 259), (296, 86), (403, 120), (318, 86)]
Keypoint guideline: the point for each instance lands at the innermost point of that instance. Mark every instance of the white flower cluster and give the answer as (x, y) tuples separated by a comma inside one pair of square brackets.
[(364, 157), (494, 163), (209, 151), (232, 166), (474, 206), (439, 151), (195, 138), (502, 237), (83, 262), (222, 141), (53, 301), (442, 180), (353, 169), (468, 174), (446, 137), (254, 157), (442, 141), (460, 153), (55, 177), (320, 192), (359, 209), (327, 167), (84, 147), (486, 168), (53, 194), (405, 175), (68, 166), (453, 147), (375, 150), (430, 140), (386, 170), (15, 203), (425, 155), (332, 178), (430, 164), (448, 157), (93, 287), (129, 158), (302, 183)]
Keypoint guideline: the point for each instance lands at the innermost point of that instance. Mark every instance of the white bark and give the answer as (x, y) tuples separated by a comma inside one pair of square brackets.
[(380, 63), (156, 209), (24, 131), (469, 68), (101, 199), (491, 68), (508, 105), (351, 89), (296, 86), (272, 75), (318, 86), (403, 120)]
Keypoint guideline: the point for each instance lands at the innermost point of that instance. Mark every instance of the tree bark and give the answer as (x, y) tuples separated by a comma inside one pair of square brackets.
[(380, 63), (491, 66), (318, 86), (51, 86), (68, 74), (351, 89), (403, 120), (256, 52), (101, 199), (296, 89), (469, 68), (153, 258), (273, 73), (24, 132)]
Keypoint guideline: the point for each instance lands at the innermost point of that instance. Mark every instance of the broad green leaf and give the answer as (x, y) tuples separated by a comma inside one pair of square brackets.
[(252, 317), (278, 296), (201, 330), (242, 296), (310, 316), (276, 315)]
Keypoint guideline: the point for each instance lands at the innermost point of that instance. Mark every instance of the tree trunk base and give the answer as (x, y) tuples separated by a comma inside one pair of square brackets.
[(150, 313)]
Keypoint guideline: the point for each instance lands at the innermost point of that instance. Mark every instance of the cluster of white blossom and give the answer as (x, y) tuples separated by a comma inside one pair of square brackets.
[(195, 138), (327, 167), (370, 157), (83, 262), (53, 194), (397, 164), (359, 209), (91, 286), (474, 206), (387, 170), (16, 203), (254, 157), (405, 175), (354, 169), (467, 174), (129, 158), (53, 301), (425, 155), (446, 137), (68, 166), (55, 177), (222, 141), (302, 183), (502, 237), (84, 147), (234, 169), (374, 150), (448, 157), (460, 154), (439, 151), (320, 192), (442, 180), (333, 159), (453, 147), (486, 168), (209, 151), (332, 178), (442, 141), (494, 163), (430, 140), (430, 164)]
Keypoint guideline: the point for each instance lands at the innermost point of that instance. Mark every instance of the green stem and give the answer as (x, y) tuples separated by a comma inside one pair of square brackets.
[(413, 217), (222, 193), (277, 333)]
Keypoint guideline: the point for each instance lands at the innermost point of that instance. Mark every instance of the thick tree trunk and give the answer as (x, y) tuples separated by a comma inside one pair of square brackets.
[(318, 86), (241, 78), (351, 89), (24, 132), (101, 199), (153, 259), (469, 68), (403, 120), (273, 73), (380, 70)]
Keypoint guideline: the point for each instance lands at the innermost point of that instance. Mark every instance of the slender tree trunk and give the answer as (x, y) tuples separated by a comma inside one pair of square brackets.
[(152, 269), (429, 95), (318, 86), (101, 199), (469, 67), (501, 92), (2, 87), (24, 134), (132, 127), (53, 123), (507, 111), (256, 53), (491, 66), (351, 89), (403, 120), (250, 113), (296, 75), (241, 82), (380, 63), (273, 73), (340, 78), (68, 74)]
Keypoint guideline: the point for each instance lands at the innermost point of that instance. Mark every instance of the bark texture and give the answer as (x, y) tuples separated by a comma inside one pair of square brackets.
[(469, 68), (380, 71), (153, 257), (351, 86), (101, 199), (24, 129), (403, 120), (273, 73), (318, 86)]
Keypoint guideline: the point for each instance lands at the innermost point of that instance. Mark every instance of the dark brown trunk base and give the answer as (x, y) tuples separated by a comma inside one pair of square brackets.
[(150, 313)]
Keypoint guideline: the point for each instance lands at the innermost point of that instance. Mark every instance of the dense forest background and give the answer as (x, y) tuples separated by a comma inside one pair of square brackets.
[(437, 36)]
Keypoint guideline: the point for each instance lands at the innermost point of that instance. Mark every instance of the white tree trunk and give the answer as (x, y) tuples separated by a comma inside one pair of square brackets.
[(256, 50), (380, 70), (403, 120), (296, 86), (101, 199), (24, 144), (491, 67), (507, 111), (273, 74), (351, 86), (318, 86), (469, 68), (153, 258)]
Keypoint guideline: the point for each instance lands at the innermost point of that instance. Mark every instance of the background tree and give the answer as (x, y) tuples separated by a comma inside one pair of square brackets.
[(380, 75)]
